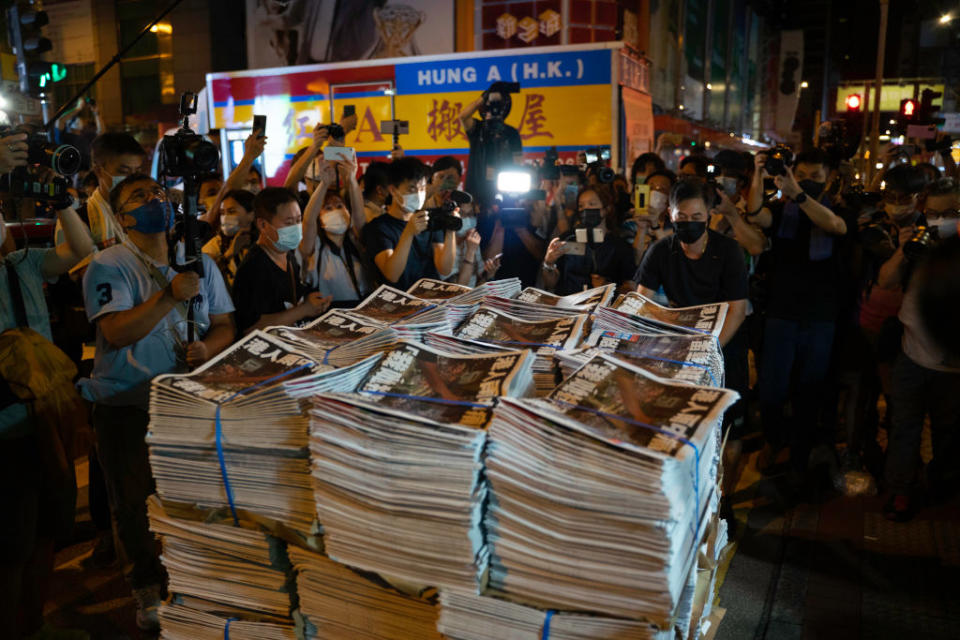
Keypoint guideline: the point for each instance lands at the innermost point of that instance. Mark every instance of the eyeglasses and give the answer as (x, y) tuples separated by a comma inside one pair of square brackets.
[(894, 197), (143, 195)]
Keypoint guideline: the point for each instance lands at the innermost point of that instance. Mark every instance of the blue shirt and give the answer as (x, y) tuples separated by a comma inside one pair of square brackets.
[(118, 280), (29, 266)]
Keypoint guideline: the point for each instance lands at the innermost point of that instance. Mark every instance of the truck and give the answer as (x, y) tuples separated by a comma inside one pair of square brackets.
[(572, 97)]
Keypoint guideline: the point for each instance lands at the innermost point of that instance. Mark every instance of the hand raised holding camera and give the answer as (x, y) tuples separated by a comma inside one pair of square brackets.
[(555, 251), (13, 152), (418, 222)]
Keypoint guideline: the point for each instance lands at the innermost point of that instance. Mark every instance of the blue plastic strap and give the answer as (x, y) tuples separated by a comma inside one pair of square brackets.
[(219, 435), (682, 363), (326, 354), (458, 403), (226, 628), (415, 314), (669, 434), (529, 344), (545, 634)]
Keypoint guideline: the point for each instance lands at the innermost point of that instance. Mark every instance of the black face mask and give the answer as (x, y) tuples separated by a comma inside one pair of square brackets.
[(812, 187), (689, 231), (590, 218)]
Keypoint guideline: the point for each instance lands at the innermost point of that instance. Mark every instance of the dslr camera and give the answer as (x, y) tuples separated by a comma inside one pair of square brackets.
[(922, 241), (499, 109), (336, 131), (442, 218), (778, 159), (28, 182), (186, 153)]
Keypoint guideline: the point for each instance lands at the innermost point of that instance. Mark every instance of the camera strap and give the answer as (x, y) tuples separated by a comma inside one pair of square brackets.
[(16, 295), (156, 275)]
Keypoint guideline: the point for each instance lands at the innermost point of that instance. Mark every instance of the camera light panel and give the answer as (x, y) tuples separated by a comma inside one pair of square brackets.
[(514, 182)]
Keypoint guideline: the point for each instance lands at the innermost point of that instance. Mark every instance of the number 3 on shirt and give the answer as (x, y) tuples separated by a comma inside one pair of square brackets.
[(105, 289)]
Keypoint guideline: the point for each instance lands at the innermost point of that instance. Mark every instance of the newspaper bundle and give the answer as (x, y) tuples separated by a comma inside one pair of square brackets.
[(467, 616), (337, 602), (545, 337), (634, 313), (247, 406), (387, 306), (397, 467), (600, 493), (336, 338), (218, 572), (585, 301), (695, 358)]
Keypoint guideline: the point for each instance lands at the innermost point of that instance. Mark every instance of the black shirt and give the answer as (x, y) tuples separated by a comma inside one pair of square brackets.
[(383, 233), (612, 259), (262, 288), (492, 146), (804, 269), (720, 274)]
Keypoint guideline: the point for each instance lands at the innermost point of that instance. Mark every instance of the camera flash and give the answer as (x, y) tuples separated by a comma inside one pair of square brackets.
[(513, 182)]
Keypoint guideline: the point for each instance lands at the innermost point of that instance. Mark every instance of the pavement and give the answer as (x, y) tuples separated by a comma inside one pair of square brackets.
[(821, 567)]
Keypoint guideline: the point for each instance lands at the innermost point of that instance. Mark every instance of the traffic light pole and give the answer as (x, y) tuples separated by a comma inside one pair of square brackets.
[(875, 121), (66, 106)]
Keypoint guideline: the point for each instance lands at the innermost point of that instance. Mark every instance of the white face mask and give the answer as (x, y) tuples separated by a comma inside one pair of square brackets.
[(230, 224), (414, 201), (115, 180), (658, 201), (469, 222), (334, 221)]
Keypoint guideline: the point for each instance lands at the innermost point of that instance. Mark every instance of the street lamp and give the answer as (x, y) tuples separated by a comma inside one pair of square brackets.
[(946, 18)]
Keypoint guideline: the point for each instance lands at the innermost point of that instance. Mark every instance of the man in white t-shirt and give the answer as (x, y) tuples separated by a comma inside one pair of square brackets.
[(114, 156)]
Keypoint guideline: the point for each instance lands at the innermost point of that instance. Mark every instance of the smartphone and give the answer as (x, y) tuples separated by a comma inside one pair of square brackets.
[(641, 196), (260, 124), (575, 248), (346, 154), (349, 110), (399, 127)]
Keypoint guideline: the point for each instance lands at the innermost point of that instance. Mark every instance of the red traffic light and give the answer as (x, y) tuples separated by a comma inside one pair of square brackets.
[(908, 107), (853, 102)]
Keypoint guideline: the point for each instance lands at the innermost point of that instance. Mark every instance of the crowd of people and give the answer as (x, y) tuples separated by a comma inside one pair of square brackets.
[(820, 277)]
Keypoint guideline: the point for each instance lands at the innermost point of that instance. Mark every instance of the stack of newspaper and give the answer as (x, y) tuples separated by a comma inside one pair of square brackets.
[(218, 572), (600, 493), (337, 603), (397, 467), (387, 306), (436, 290), (467, 616), (234, 432), (687, 358), (441, 319), (544, 336), (585, 301), (633, 313), (507, 288), (337, 338)]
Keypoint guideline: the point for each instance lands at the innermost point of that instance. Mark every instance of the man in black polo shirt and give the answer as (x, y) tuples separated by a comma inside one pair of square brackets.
[(697, 265), (398, 241), (493, 143), (267, 290)]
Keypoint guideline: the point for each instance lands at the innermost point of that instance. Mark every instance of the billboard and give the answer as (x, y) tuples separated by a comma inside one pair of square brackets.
[(567, 99), (291, 32)]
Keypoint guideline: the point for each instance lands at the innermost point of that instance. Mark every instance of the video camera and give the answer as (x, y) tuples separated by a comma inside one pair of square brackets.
[(28, 182), (597, 159), (778, 159), (442, 218), (513, 186)]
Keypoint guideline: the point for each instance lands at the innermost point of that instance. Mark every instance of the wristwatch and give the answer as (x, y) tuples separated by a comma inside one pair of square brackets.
[(800, 198), (550, 267)]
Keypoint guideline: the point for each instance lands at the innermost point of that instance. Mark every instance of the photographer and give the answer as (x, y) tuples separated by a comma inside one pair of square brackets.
[(375, 189), (140, 306), (517, 241), (37, 485), (694, 166), (942, 203), (493, 143), (804, 291), (304, 158), (398, 241), (268, 290), (329, 250), (230, 245), (238, 179), (656, 224), (644, 165), (114, 157), (605, 256), (925, 381), (79, 126)]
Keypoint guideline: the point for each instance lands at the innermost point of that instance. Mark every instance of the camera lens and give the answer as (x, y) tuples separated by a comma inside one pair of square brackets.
[(65, 160), (203, 154)]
